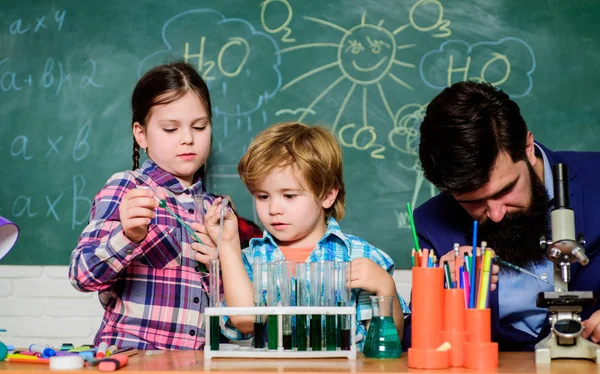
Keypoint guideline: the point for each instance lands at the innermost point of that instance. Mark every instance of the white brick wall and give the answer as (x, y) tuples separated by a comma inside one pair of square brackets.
[(39, 305)]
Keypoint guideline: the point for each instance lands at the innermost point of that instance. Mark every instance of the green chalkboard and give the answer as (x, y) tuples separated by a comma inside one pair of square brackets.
[(364, 68)]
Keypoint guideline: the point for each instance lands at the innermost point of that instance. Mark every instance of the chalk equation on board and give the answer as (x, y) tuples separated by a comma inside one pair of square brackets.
[(239, 63), (507, 63)]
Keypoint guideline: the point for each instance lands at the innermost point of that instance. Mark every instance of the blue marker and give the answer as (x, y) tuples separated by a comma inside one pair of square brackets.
[(45, 351), (88, 354), (473, 267)]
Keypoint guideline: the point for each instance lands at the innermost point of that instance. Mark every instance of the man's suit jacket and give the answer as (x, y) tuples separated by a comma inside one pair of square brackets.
[(441, 222)]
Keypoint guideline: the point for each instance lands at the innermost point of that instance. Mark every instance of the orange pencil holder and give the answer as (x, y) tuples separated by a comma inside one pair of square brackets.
[(480, 352), (427, 316), (454, 324)]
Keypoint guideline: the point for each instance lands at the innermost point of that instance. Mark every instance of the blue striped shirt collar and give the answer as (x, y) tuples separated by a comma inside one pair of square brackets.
[(333, 231)]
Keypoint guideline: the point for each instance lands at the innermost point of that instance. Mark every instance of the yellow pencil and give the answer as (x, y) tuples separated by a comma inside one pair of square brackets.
[(484, 280)]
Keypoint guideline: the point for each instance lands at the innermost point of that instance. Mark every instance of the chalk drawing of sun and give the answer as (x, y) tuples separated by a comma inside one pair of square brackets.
[(366, 54)]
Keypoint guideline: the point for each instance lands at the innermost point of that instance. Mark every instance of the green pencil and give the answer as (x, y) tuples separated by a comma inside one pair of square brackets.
[(412, 227)]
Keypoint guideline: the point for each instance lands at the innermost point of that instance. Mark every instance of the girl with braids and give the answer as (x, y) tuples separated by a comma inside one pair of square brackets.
[(137, 257)]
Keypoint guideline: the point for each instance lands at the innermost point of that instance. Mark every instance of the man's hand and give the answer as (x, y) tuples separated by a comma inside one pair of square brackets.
[(450, 258), (591, 327)]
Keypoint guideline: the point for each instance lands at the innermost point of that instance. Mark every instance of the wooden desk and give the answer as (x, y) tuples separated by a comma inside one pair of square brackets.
[(193, 361)]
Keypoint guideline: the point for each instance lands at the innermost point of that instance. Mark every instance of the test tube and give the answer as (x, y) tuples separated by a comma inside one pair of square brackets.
[(214, 281), (199, 208), (286, 300), (272, 327), (329, 300), (302, 299), (259, 328), (343, 293), (316, 286)]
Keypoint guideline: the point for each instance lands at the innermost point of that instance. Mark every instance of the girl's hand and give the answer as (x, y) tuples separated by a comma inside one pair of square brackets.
[(136, 211), (204, 253)]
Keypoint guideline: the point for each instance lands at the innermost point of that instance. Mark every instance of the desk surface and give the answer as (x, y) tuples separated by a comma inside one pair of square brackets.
[(184, 361)]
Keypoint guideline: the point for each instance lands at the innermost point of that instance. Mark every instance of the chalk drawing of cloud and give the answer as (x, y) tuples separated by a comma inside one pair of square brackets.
[(240, 64), (507, 63)]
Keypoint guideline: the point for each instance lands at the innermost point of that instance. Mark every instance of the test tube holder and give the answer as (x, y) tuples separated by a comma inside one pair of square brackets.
[(280, 311)]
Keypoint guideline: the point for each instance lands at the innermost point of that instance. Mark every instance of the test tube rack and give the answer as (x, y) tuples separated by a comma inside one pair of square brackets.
[(280, 311)]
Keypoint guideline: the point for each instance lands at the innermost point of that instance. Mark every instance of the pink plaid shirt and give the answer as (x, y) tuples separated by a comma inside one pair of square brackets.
[(152, 292)]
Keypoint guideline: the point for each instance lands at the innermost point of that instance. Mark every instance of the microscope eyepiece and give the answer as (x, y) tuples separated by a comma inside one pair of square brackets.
[(560, 174)]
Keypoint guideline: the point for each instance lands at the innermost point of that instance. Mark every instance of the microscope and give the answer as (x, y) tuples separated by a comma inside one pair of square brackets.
[(564, 340)]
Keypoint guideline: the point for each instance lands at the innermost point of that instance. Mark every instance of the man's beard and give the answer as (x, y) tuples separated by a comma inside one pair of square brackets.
[(516, 239)]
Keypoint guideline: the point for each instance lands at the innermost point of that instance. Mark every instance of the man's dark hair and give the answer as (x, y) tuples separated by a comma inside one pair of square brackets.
[(465, 127)]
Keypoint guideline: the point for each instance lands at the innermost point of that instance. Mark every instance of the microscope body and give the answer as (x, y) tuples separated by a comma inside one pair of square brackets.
[(564, 340)]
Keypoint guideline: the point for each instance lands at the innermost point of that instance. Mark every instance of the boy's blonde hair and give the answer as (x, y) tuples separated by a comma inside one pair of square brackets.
[(313, 151)]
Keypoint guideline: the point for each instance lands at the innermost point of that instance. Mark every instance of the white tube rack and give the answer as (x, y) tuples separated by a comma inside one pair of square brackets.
[(280, 311)]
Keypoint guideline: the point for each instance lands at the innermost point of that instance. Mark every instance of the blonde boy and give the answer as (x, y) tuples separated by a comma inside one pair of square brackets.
[(294, 173)]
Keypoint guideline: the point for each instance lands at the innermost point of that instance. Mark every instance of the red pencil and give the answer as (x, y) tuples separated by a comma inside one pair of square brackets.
[(424, 258)]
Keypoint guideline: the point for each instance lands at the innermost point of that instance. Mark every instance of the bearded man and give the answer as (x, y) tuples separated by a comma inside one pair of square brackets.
[(476, 149)]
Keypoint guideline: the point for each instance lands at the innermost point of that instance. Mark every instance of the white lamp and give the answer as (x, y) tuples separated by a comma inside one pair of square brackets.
[(9, 232)]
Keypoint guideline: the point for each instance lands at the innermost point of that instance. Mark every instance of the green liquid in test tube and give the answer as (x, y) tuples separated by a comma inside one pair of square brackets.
[(272, 332), (285, 269), (213, 282), (343, 294), (302, 299), (329, 300), (272, 325), (259, 328), (316, 288), (215, 329)]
